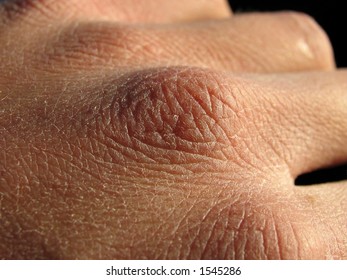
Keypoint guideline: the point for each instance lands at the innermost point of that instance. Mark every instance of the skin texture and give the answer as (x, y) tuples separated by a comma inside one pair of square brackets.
[(165, 135)]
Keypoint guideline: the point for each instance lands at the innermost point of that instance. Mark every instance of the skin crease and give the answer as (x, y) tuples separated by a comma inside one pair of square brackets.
[(142, 155)]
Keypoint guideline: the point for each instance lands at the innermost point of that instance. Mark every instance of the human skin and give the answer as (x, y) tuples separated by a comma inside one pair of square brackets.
[(167, 131)]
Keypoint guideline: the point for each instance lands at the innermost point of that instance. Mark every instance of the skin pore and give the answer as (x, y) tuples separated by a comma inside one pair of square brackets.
[(161, 132)]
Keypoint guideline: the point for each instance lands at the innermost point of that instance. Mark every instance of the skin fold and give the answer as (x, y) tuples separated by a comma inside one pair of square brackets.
[(157, 133)]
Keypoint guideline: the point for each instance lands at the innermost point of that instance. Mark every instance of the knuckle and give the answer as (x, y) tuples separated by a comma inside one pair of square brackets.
[(184, 111), (92, 44), (248, 228), (313, 40), (29, 11), (234, 228), (220, 7)]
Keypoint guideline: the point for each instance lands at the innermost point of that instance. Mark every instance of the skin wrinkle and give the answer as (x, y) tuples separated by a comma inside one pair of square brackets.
[(206, 236), (305, 124), (133, 11), (210, 115), (146, 143), (208, 239), (141, 48), (211, 231), (88, 42), (184, 221), (330, 228), (278, 250), (240, 243), (184, 256), (84, 143), (228, 236), (93, 209), (24, 8), (336, 247), (215, 231)]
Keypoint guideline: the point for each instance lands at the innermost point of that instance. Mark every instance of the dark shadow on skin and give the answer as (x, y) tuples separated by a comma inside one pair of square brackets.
[(328, 175)]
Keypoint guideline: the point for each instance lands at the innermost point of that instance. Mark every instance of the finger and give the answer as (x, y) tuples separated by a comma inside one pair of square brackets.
[(131, 11), (281, 42), (254, 42), (154, 11), (308, 119)]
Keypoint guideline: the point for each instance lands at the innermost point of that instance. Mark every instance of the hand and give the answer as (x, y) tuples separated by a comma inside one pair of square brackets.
[(137, 131)]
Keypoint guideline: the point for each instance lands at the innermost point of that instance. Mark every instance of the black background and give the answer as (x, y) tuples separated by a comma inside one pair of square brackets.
[(331, 15)]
